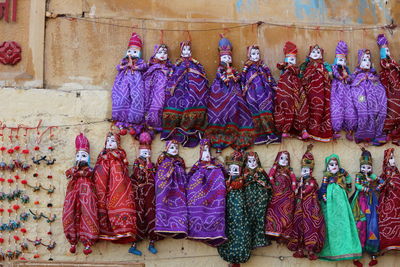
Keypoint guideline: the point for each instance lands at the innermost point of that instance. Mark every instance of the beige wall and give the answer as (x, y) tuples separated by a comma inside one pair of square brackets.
[(80, 57)]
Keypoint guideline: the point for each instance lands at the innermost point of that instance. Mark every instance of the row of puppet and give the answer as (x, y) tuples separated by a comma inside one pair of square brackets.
[(314, 101), (236, 210)]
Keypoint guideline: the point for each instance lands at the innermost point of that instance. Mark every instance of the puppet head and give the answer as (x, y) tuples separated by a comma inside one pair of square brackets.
[(307, 162), (364, 59), (252, 160), (253, 53), (205, 154), (225, 50), (365, 162), (134, 46), (316, 52), (332, 164), (383, 44), (341, 53), (145, 145), (234, 163), (82, 146), (283, 159), (388, 159), (113, 141), (160, 52), (290, 51), (186, 49), (172, 147)]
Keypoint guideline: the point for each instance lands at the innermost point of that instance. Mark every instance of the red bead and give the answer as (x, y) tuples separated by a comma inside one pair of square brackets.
[(23, 259), (35, 174), (23, 230), (37, 148), (10, 181), (16, 207), (3, 148), (25, 151), (24, 182), (17, 148), (16, 238), (2, 179), (49, 233), (50, 176), (10, 151), (36, 256), (51, 148), (1, 240), (9, 210), (16, 177), (36, 202), (1, 210)]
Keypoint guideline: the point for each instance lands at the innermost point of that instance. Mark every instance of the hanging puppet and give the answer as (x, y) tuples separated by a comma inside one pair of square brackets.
[(341, 240), (364, 204), (257, 193), (340, 92), (206, 198), (155, 84), (390, 78), (144, 190), (128, 95), (237, 249), (79, 218), (171, 204), (116, 205), (389, 204), (279, 219), (185, 111), (291, 108), (229, 118), (368, 101), (308, 232), (259, 90), (317, 84)]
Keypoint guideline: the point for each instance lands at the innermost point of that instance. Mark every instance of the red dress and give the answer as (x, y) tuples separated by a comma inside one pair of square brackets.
[(143, 184), (80, 211), (390, 78), (116, 206), (389, 206), (317, 85)]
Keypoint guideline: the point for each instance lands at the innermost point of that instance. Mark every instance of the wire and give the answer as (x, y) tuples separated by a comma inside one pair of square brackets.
[(58, 126), (325, 27)]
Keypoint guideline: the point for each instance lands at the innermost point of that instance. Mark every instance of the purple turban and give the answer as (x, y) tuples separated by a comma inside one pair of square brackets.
[(341, 48), (381, 40)]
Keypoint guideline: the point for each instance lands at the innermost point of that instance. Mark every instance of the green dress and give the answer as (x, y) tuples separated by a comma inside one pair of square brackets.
[(237, 248), (341, 240), (257, 195)]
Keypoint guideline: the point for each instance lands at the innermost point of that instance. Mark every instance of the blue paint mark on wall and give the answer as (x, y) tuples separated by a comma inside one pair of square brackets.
[(245, 5), (239, 4), (307, 8)]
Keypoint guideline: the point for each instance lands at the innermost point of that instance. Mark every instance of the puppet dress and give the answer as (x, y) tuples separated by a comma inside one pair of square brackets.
[(279, 218), (291, 109), (257, 195), (369, 103), (171, 204), (308, 231), (155, 83), (259, 84), (238, 247), (206, 202), (144, 188), (389, 206), (340, 100), (229, 119), (128, 95), (364, 204), (390, 79), (341, 240), (317, 85), (185, 111), (116, 204), (79, 218)]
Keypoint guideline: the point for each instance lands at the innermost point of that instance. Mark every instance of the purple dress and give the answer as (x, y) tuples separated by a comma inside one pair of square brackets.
[(128, 93), (185, 111), (340, 100), (369, 105), (259, 94), (229, 118), (171, 208), (155, 82)]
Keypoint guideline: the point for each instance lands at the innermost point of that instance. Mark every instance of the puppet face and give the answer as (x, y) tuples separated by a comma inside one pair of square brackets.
[(316, 53), (251, 162), (227, 59), (392, 161), (341, 60), (145, 153), (133, 52), (365, 62), (305, 172), (206, 156), (173, 149), (254, 55), (162, 54), (186, 51), (384, 52), (333, 166), (291, 60), (283, 160), (111, 142), (234, 170), (82, 158), (366, 169)]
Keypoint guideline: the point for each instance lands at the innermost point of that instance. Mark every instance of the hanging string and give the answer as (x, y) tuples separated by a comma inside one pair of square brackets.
[(390, 27)]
